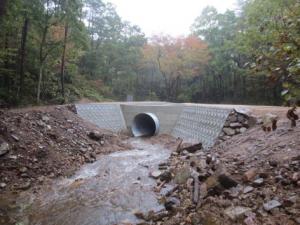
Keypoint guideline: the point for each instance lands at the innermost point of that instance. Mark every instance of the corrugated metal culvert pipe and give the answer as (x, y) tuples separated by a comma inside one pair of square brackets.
[(145, 124)]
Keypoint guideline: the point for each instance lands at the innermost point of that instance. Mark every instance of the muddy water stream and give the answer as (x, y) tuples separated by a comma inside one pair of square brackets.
[(103, 193)]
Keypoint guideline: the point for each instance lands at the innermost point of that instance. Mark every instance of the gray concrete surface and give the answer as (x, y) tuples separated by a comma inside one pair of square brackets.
[(106, 116), (192, 122), (167, 114), (201, 124)]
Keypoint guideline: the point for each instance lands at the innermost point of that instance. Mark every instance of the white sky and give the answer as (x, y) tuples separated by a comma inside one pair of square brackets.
[(173, 17)]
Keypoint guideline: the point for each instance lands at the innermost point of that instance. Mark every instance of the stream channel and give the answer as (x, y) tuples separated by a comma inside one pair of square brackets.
[(105, 192)]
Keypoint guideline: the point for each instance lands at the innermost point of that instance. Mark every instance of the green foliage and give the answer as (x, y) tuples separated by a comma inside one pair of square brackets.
[(250, 55)]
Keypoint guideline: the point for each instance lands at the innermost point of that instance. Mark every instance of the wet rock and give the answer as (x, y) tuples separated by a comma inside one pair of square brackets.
[(237, 212), (229, 131), (3, 185), (250, 174), (4, 148), (95, 135), (271, 205), (155, 174)]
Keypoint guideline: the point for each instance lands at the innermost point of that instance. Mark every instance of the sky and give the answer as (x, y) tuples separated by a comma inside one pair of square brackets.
[(173, 17)]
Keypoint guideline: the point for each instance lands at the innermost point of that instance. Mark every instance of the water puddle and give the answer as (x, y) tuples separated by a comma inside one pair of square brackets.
[(103, 193)]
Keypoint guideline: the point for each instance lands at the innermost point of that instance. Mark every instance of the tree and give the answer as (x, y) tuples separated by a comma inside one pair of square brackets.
[(176, 59), (272, 39)]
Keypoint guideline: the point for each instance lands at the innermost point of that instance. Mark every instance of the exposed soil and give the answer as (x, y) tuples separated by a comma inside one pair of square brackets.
[(47, 142)]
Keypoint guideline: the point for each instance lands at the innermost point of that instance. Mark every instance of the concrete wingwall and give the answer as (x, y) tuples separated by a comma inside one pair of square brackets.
[(194, 123), (201, 124)]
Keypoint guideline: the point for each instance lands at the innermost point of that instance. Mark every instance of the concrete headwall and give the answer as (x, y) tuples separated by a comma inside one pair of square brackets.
[(168, 114), (192, 122)]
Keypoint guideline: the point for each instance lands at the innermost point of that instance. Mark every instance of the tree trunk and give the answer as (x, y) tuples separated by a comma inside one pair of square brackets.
[(63, 59), (2, 8), (22, 57), (39, 83), (6, 65)]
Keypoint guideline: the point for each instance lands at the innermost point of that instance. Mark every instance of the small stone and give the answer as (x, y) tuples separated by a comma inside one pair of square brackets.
[(295, 177), (271, 205), (235, 125), (243, 129), (248, 189), (45, 118), (23, 169), (250, 174), (95, 135), (232, 118), (258, 182), (15, 137), (155, 174), (182, 175), (2, 185), (250, 220), (4, 148), (24, 175), (229, 131), (235, 213)]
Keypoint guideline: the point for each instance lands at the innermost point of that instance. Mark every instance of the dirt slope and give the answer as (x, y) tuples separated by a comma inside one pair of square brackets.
[(47, 142)]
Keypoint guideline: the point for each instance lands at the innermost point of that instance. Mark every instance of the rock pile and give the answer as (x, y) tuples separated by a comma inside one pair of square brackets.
[(39, 144), (218, 187), (236, 123)]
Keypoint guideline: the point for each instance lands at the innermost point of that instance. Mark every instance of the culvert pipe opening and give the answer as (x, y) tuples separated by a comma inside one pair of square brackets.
[(145, 124)]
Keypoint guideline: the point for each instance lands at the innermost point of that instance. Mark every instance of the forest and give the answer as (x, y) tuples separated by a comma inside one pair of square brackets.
[(61, 51)]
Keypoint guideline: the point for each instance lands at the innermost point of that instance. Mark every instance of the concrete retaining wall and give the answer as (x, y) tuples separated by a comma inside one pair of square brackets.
[(193, 123), (200, 124), (106, 116)]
